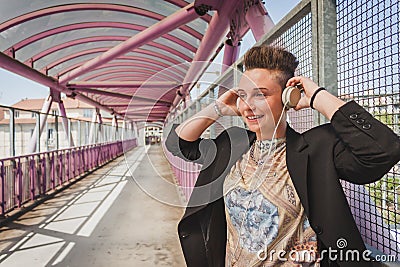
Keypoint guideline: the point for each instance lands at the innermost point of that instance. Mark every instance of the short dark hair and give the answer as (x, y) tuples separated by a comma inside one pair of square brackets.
[(272, 58)]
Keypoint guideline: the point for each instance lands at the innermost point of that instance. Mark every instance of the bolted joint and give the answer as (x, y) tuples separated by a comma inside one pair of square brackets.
[(202, 9), (250, 3), (178, 92)]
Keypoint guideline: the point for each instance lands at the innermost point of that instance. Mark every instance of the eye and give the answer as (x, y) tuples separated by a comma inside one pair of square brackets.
[(260, 95), (242, 96)]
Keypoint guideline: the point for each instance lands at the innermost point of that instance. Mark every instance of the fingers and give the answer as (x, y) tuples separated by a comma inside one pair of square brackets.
[(308, 85)]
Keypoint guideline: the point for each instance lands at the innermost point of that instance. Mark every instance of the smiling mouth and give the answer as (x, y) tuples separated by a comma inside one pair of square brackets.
[(254, 117)]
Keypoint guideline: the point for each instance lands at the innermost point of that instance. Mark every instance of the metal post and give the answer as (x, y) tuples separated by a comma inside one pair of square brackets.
[(57, 135), (12, 132), (212, 127), (39, 127), (47, 136), (70, 142), (92, 126), (38, 136), (324, 49), (66, 123), (79, 134), (2, 188)]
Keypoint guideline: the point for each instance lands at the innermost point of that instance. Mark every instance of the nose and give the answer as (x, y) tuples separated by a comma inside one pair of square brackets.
[(248, 104)]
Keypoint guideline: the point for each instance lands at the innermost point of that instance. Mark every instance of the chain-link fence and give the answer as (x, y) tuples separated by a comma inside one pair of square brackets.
[(368, 72), (351, 48)]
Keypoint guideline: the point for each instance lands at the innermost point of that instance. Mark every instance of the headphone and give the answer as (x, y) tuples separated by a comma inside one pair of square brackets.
[(290, 96)]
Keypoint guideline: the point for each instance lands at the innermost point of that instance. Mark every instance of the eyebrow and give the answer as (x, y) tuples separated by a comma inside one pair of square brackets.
[(257, 88)]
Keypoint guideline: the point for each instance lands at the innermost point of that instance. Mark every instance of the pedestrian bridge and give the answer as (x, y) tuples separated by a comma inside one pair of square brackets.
[(96, 187)]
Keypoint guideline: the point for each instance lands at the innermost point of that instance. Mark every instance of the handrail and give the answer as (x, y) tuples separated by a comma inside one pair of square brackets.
[(26, 178)]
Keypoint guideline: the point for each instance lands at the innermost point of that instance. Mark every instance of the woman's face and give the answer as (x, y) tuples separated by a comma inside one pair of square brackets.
[(260, 102)]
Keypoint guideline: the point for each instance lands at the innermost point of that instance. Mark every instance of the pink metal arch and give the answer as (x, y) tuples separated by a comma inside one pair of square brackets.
[(127, 77), (126, 64), (104, 49), (123, 71), (113, 72), (124, 77), (88, 25), (100, 39), (79, 7), (137, 99)]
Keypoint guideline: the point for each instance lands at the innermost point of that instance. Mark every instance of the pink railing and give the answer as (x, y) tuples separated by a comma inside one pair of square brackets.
[(185, 172), (28, 177)]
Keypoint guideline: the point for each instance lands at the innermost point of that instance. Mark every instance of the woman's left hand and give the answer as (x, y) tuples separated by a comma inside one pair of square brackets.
[(309, 88)]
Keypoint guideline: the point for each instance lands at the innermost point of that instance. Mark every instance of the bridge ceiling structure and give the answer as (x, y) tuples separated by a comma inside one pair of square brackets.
[(131, 58)]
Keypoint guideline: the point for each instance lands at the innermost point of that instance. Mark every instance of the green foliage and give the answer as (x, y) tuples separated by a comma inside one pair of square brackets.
[(387, 188)]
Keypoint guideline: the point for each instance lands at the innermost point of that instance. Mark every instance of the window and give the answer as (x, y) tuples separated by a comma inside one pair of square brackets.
[(54, 112), (87, 113), (50, 134), (16, 113)]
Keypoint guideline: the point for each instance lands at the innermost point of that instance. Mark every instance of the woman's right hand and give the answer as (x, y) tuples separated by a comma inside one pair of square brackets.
[(227, 103)]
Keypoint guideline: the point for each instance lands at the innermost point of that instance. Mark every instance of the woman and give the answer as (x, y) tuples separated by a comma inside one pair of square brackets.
[(269, 196)]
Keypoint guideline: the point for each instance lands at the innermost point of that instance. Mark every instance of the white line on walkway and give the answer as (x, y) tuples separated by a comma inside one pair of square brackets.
[(21, 241), (89, 226), (64, 253)]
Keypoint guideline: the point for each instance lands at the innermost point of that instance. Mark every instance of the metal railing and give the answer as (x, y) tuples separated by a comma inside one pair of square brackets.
[(360, 40), (18, 125), (29, 177)]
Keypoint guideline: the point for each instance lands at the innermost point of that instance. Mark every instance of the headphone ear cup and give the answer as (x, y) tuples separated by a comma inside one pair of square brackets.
[(291, 96)]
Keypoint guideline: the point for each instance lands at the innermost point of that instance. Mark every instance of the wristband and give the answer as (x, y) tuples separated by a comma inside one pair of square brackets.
[(217, 110), (313, 96)]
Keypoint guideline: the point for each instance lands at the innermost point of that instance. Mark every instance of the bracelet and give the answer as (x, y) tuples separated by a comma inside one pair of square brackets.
[(313, 96), (217, 110)]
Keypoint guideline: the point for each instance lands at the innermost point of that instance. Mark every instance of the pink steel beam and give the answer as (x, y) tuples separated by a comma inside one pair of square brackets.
[(17, 67), (216, 32), (95, 39), (127, 64), (171, 22), (79, 7), (88, 25), (64, 120), (231, 54), (259, 20), (120, 84), (43, 118)]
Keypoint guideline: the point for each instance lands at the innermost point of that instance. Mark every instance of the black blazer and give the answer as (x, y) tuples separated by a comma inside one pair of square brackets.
[(354, 147)]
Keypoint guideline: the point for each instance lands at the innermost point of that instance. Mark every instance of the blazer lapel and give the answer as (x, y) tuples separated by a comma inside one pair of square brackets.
[(297, 164)]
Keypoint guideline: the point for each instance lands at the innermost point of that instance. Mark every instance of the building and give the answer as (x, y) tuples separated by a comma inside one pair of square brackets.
[(26, 113)]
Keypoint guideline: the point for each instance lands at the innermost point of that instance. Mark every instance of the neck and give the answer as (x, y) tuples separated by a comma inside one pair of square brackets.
[(268, 135)]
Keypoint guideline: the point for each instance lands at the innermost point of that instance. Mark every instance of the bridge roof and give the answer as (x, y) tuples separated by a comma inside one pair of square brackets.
[(127, 57)]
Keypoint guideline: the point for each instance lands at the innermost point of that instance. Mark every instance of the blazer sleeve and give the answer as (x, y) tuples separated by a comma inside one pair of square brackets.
[(193, 151), (366, 149)]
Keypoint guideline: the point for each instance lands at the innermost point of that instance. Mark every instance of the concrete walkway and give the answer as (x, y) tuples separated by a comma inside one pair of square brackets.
[(109, 218)]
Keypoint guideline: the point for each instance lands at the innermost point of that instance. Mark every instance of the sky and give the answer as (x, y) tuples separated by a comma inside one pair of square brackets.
[(13, 87)]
